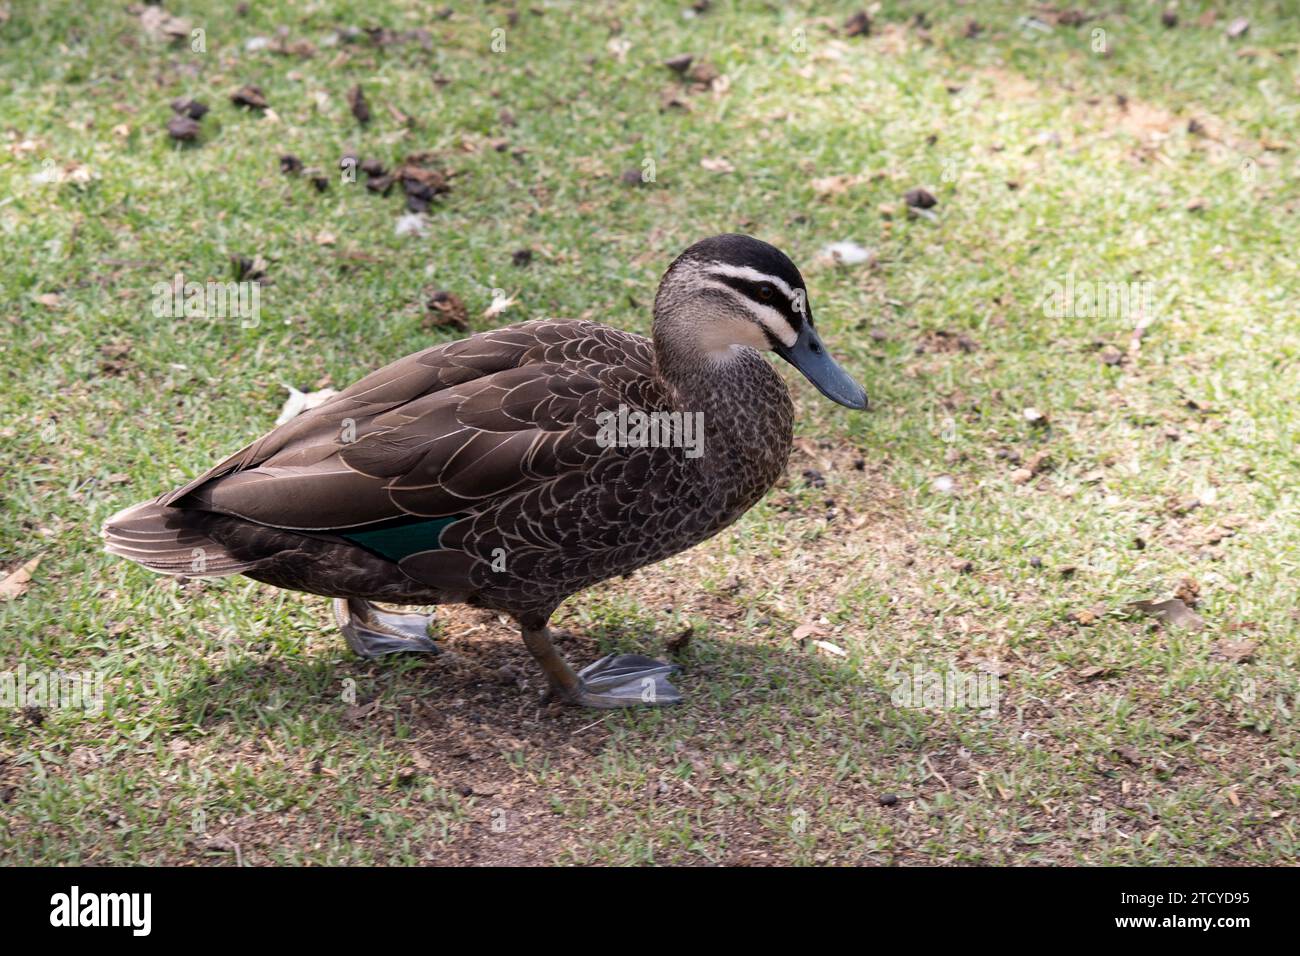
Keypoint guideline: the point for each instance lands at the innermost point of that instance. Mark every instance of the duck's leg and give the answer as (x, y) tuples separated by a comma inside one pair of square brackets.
[(617, 680), (371, 632)]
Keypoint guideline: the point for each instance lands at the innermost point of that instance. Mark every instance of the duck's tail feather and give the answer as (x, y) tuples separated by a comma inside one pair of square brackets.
[(170, 541)]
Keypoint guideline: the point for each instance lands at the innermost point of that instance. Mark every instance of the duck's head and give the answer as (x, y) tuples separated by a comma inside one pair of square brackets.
[(732, 292)]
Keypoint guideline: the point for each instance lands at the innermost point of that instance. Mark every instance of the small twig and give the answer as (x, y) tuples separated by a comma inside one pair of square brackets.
[(937, 773), (592, 724)]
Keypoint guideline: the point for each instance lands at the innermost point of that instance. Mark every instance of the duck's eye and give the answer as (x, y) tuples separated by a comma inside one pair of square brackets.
[(765, 292)]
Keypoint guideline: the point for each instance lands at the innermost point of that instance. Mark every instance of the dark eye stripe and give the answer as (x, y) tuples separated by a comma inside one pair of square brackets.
[(777, 300)]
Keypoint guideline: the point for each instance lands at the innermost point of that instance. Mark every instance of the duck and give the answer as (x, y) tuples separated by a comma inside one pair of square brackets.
[(516, 467)]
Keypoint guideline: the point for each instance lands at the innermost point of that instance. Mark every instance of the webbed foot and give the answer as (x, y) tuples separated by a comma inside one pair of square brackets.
[(616, 680), (373, 633), (626, 680)]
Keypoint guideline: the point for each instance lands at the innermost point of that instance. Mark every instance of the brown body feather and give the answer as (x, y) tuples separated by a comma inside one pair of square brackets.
[(500, 431)]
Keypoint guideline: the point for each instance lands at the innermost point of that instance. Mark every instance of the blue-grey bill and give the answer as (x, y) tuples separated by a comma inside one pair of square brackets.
[(809, 356)]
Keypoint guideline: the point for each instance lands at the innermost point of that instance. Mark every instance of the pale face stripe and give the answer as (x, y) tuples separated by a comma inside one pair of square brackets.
[(765, 315), (771, 320), (753, 275)]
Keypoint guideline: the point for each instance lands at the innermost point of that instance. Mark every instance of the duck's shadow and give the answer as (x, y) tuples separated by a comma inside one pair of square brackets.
[(496, 684)]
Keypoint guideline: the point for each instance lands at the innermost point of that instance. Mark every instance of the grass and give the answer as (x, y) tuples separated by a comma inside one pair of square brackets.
[(237, 728)]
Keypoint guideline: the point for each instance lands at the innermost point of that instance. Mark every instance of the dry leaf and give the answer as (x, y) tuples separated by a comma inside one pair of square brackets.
[(158, 24), (1188, 591), (299, 402), (1236, 652), (1088, 616), (500, 302), (717, 165), (1172, 611), (1130, 755), (834, 650), (835, 185), (846, 252), (445, 309), (17, 582)]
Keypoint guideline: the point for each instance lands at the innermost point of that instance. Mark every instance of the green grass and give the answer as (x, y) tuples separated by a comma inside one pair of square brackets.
[(237, 728)]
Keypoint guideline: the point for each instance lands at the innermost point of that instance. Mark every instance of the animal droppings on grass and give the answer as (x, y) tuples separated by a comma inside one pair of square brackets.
[(248, 270), (680, 63), (420, 184), (382, 185), (290, 164), (920, 198), (183, 129), (704, 76), (358, 105), (249, 97), (678, 643), (187, 106), (858, 25)]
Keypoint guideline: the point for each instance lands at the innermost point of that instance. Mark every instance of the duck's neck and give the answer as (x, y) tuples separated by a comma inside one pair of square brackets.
[(745, 407), (697, 371)]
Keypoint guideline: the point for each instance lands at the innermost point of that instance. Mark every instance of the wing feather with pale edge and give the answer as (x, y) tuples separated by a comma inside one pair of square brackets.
[(440, 432)]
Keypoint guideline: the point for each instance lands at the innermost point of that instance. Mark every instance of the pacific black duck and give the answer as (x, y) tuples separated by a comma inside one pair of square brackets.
[(514, 468)]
